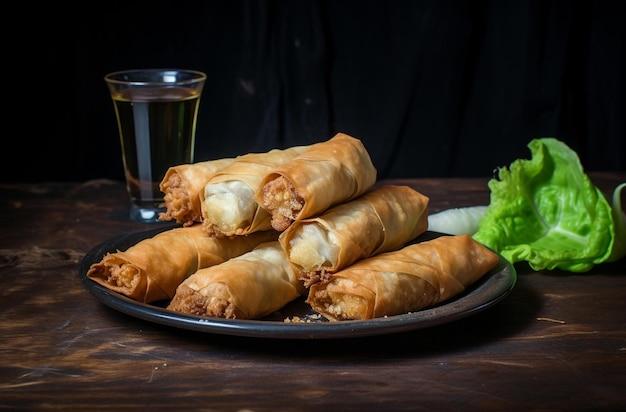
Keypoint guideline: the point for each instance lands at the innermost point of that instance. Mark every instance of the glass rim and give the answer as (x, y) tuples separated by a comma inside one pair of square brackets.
[(110, 77)]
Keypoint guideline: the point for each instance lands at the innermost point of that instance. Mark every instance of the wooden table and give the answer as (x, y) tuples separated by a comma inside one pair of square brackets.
[(556, 342)]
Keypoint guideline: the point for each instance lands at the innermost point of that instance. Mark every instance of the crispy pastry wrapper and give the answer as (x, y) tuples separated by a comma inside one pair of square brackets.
[(250, 286), (227, 200), (410, 279), (182, 185), (152, 269), (326, 174), (381, 220)]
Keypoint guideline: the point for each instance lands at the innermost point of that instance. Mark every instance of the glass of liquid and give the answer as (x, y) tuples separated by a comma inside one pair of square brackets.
[(156, 111)]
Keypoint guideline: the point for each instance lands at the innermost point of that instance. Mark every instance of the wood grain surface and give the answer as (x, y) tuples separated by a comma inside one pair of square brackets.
[(557, 342)]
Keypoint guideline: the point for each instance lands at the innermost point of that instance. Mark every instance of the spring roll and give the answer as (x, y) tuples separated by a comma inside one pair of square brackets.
[(250, 286), (182, 185), (152, 269), (227, 200), (410, 279), (381, 220), (326, 174)]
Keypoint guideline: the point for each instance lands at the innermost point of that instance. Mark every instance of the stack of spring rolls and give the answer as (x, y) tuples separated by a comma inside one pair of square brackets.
[(262, 229)]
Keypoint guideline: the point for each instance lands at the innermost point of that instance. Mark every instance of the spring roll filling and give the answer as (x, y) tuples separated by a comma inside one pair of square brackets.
[(313, 250), (282, 200), (229, 205), (215, 300), (123, 275), (176, 200), (219, 302)]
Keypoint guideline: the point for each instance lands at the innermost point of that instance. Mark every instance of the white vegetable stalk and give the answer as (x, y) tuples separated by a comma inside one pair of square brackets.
[(457, 221), (619, 219)]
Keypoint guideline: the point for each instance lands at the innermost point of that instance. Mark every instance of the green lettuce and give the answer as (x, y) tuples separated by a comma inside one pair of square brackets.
[(546, 211)]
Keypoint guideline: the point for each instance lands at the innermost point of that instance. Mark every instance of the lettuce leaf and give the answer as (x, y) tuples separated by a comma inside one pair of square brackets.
[(546, 211)]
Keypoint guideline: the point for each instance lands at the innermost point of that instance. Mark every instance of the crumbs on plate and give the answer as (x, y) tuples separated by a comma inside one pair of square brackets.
[(316, 317)]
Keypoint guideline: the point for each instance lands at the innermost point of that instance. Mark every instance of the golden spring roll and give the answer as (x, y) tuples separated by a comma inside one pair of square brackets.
[(410, 279), (227, 200), (250, 286), (326, 174), (152, 269), (381, 220), (182, 185)]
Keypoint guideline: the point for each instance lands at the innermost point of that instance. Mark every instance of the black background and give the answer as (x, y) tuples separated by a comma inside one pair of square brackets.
[(432, 88)]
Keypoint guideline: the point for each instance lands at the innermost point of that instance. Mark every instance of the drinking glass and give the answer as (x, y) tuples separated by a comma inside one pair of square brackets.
[(156, 111)]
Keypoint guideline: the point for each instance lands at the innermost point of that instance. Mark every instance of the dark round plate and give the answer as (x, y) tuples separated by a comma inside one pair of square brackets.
[(303, 322)]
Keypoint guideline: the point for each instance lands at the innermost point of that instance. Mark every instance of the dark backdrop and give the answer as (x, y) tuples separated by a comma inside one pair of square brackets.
[(432, 87)]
